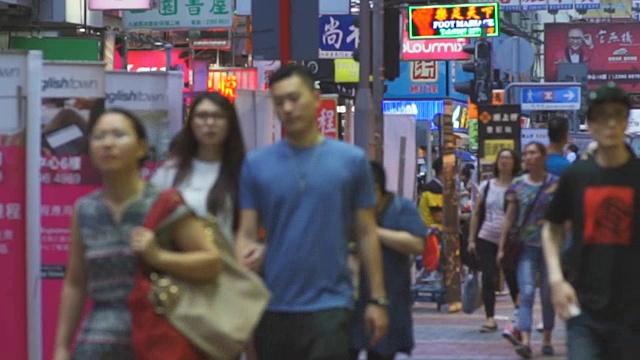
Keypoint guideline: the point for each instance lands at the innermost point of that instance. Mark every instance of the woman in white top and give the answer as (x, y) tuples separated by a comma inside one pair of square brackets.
[(485, 230), (206, 160)]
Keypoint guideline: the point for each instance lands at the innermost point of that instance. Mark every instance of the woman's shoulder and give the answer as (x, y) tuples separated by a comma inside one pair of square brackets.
[(164, 176)]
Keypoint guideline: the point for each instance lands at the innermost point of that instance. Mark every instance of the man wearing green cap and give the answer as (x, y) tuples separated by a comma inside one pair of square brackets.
[(595, 285)]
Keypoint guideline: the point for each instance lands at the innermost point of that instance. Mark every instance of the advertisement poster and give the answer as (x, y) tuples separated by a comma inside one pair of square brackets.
[(328, 117), (72, 94), (152, 96), (498, 128), (13, 71), (600, 53), (155, 60)]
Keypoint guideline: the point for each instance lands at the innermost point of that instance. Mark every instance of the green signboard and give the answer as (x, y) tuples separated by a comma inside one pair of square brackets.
[(84, 49), (182, 14)]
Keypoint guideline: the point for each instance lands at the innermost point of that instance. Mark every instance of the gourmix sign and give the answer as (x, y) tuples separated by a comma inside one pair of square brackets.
[(453, 21)]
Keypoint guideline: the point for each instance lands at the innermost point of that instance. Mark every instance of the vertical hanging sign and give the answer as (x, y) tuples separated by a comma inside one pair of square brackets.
[(328, 116), (72, 94), (152, 96)]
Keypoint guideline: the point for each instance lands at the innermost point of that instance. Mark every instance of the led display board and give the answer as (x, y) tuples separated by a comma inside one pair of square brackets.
[(453, 21)]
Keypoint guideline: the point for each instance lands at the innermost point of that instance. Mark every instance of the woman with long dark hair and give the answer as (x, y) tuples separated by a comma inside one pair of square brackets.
[(485, 230), (206, 162), (527, 200)]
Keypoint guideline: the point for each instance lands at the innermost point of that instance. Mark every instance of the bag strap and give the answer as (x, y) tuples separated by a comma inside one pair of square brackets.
[(535, 200)]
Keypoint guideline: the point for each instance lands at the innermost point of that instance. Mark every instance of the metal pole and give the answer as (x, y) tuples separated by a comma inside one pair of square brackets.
[(125, 53), (428, 160), (364, 98), (168, 49), (377, 51)]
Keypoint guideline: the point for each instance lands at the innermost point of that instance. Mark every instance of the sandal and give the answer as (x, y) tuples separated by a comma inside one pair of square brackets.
[(524, 351), (488, 329)]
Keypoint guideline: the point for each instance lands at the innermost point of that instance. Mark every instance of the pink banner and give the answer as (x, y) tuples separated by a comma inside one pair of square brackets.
[(13, 340), (119, 4), (66, 173)]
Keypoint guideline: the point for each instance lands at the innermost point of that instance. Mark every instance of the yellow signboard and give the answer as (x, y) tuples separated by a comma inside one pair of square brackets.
[(493, 147), (346, 71)]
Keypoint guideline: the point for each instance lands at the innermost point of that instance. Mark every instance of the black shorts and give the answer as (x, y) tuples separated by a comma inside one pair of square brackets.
[(320, 335)]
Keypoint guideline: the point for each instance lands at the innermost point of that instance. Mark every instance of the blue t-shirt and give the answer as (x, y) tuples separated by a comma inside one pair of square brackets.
[(306, 200), (401, 215), (556, 163)]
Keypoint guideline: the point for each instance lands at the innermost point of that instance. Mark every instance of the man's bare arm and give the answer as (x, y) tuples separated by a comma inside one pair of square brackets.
[(370, 250)]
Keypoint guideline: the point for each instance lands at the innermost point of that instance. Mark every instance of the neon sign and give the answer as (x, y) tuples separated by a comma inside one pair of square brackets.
[(228, 81), (453, 21)]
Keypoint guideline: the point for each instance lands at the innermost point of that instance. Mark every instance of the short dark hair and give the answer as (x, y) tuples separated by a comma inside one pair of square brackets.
[(290, 70), (540, 146), (438, 165), (517, 164), (558, 129), (134, 120), (379, 175)]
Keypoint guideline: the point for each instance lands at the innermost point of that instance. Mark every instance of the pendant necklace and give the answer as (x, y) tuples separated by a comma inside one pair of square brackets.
[(302, 176)]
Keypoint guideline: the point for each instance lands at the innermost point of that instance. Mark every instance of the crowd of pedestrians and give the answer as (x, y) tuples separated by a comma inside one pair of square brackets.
[(295, 212)]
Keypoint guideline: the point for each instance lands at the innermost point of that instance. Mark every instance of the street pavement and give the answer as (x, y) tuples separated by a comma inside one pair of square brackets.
[(444, 336)]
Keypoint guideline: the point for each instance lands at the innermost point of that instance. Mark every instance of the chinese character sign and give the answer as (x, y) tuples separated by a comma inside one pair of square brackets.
[(338, 36), (419, 80), (328, 117), (182, 14), (597, 53), (453, 21), (498, 128), (228, 81)]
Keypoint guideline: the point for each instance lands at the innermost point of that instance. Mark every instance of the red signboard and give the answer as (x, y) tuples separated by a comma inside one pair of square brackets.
[(228, 81), (603, 52), (154, 60), (328, 117), (436, 49)]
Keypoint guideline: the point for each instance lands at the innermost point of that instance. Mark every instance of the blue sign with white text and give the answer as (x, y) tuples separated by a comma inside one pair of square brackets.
[(550, 98), (419, 80), (339, 37)]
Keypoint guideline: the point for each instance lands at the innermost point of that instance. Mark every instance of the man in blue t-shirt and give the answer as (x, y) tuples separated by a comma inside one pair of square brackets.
[(558, 130), (311, 195)]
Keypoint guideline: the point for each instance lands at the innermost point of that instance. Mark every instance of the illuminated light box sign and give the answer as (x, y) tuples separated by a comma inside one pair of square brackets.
[(228, 81), (453, 21)]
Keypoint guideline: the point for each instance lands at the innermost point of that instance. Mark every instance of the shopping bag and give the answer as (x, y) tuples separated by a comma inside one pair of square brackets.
[(471, 293)]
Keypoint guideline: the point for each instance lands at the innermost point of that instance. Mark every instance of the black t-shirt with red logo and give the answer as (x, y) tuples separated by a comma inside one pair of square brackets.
[(602, 259)]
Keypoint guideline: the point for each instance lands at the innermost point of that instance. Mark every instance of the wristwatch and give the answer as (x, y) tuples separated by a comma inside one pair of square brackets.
[(384, 302)]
